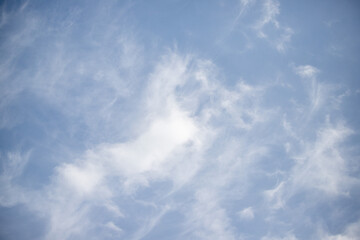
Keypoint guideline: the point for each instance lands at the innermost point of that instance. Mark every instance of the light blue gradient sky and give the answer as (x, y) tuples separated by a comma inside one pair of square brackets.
[(180, 120)]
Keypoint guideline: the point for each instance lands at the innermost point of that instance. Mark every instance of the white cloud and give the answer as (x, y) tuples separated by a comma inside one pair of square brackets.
[(306, 71), (183, 116), (321, 166), (208, 218), (275, 196), (113, 227), (150, 223), (284, 40), (288, 236), (243, 106), (317, 91), (151, 149), (244, 5), (270, 11), (113, 208), (131, 57), (246, 2), (351, 232), (83, 179), (247, 213), (169, 147), (162, 131), (271, 8), (144, 157), (13, 164)]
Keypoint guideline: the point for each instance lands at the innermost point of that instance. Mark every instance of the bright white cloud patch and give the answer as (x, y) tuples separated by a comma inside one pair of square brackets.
[(84, 179), (247, 213), (306, 71), (174, 120)]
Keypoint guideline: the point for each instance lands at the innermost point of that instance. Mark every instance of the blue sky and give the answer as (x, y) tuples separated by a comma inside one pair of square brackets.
[(180, 120)]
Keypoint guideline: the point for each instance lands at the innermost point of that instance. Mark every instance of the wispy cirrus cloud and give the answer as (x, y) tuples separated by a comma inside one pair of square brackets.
[(266, 26), (270, 11), (175, 129), (110, 136)]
